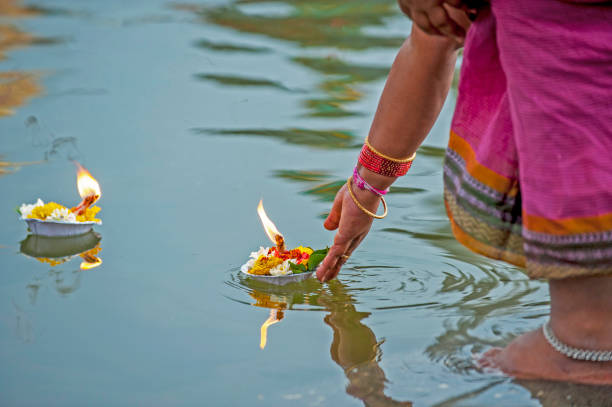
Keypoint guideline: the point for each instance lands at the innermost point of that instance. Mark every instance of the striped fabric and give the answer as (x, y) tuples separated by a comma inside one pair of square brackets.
[(528, 170)]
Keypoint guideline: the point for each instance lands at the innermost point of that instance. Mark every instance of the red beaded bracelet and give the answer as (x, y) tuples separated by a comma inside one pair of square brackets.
[(382, 164)]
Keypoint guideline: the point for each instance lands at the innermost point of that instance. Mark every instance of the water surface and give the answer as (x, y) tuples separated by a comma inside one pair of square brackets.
[(188, 114)]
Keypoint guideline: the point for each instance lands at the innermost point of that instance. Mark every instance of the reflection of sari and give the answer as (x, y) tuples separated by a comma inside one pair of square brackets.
[(528, 172)]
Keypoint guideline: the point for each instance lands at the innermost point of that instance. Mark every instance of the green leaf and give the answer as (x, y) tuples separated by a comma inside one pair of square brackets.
[(316, 258), (17, 209), (321, 251), (297, 268)]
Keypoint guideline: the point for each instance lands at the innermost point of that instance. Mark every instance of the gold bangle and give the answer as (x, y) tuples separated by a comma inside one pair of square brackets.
[(386, 157), (360, 206)]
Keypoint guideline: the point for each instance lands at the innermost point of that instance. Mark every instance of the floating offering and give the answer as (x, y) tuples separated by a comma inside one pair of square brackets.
[(277, 265), (53, 219)]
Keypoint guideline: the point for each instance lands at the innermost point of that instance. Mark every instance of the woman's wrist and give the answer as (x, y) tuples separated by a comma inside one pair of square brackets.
[(366, 198), (378, 181)]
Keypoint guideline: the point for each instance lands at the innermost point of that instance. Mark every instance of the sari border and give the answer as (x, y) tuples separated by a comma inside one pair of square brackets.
[(554, 271), (459, 218), (477, 170), (568, 226)]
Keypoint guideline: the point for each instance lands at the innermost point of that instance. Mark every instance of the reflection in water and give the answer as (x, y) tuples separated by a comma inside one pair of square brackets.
[(7, 167), (64, 282), (476, 297), (549, 394), (275, 316), (56, 252), (354, 346), (230, 80), (11, 38), (59, 250), (17, 87), (336, 24), (277, 299), (330, 23), (559, 394), (339, 84), (229, 47), (326, 191), (91, 259), (329, 139), (55, 147)]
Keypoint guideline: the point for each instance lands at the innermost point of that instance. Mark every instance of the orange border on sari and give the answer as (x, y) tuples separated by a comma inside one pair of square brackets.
[(569, 226), (483, 248), (481, 173)]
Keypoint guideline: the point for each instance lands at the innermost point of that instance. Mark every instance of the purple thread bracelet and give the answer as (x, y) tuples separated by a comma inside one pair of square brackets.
[(363, 184)]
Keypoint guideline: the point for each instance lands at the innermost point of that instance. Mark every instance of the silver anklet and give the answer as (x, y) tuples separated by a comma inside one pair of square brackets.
[(575, 353)]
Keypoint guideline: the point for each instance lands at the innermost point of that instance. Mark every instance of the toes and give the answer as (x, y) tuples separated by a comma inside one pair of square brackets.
[(489, 360)]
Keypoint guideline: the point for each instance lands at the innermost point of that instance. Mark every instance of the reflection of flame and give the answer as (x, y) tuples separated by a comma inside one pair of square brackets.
[(86, 184), (91, 262), (90, 259), (272, 319), (275, 236)]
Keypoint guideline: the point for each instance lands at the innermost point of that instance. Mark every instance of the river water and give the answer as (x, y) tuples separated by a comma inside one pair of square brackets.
[(188, 114)]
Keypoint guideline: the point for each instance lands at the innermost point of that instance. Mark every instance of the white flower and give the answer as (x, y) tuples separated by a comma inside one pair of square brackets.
[(282, 269), (279, 270), (263, 251), (62, 214), (247, 266), (26, 209)]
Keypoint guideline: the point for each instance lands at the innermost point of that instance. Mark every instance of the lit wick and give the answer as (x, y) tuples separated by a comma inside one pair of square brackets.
[(89, 190), (273, 234), (85, 203), (280, 243)]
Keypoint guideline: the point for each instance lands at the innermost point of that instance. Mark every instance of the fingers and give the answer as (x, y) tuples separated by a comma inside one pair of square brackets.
[(439, 18), (356, 242), (333, 219), (434, 18), (422, 21), (337, 256), (456, 3)]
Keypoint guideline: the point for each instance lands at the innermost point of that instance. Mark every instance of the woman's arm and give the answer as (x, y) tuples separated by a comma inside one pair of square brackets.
[(413, 96)]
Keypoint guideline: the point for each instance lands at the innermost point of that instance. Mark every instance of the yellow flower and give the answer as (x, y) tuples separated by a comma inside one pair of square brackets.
[(42, 212), (263, 265), (305, 249), (89, 215)]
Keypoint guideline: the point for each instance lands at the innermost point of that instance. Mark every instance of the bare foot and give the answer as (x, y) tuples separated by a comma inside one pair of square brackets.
[(530, 357)]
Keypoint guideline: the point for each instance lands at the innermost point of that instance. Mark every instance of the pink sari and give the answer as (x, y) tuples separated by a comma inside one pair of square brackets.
[(528, 171)]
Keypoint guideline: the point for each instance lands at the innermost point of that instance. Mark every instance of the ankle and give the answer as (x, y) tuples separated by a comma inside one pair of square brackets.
[(581, 312)]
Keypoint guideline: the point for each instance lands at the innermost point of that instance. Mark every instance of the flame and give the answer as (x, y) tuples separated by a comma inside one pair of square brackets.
[(273, 234), (86, 184), (272, 319)]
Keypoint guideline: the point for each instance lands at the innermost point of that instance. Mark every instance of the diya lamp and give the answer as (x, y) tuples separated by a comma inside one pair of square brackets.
[(53, 219), (276, 264)]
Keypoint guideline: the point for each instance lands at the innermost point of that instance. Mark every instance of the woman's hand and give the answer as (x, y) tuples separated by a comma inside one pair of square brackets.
[(435, 17), (353, 225)]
